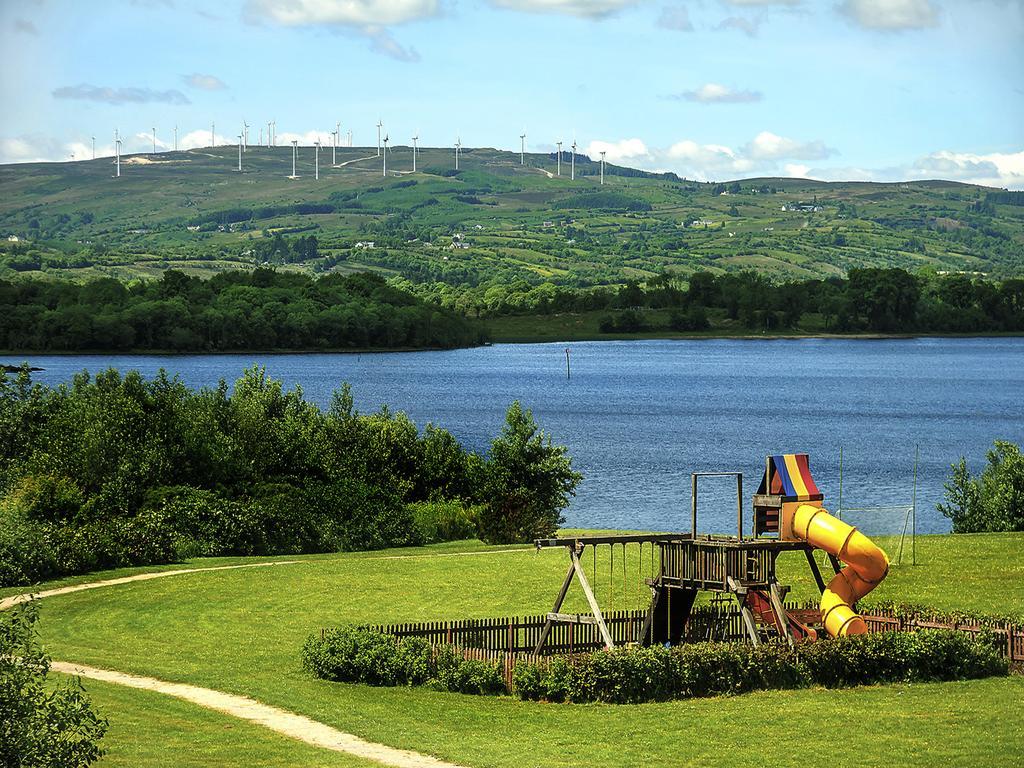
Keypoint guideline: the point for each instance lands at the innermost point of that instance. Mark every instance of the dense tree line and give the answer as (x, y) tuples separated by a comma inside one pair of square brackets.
[(261, 309), (117, 470), (872, 300)]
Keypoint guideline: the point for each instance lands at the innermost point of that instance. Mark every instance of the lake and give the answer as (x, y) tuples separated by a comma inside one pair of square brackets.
[(640, 416)]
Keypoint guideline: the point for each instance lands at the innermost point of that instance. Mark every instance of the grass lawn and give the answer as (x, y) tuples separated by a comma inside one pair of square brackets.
[(241, 630), (148, 728)]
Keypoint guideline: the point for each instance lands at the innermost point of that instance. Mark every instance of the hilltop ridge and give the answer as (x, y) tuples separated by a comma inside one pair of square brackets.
[(491, 219)]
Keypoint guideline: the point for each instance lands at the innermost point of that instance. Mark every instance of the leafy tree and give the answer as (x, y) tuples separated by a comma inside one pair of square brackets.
[(42, 726), (992, 502), (527, 482)]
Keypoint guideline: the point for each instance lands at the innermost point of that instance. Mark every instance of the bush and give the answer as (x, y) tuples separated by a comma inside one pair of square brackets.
[(42, 726), (360, 655), (437, 521), (633, 675), (992, 502)]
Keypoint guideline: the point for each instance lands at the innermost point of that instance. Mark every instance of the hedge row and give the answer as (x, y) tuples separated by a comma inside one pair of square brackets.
[(635, 675), (357, 655)]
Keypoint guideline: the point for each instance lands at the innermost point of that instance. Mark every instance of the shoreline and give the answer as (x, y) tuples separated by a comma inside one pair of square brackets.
[(534, 339)]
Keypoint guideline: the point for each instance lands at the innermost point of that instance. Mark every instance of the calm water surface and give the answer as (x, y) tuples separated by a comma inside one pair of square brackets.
[(639, 416)]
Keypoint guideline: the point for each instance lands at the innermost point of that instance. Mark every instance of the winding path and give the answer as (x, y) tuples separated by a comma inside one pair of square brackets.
[(13, 600), (279, 720)]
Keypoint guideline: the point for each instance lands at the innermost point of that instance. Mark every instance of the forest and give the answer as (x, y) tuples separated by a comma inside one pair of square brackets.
[(114, 470), (872, 300), (262, 309)]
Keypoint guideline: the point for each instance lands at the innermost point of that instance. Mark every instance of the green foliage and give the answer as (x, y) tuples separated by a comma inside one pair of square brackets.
[(115, 470), (527, 482), (444, 520), (42, 726), (360, 655), (992, 502), (261, 309), (635, 675)]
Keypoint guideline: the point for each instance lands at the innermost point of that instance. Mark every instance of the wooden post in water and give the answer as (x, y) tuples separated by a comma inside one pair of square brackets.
[(568, 371)]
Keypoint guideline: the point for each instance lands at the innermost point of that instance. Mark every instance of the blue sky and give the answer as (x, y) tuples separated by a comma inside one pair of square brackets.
[(712, 89)]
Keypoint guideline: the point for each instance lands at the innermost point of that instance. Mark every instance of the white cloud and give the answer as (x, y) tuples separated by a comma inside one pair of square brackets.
[(204, 82), (996, 169), (368, 18), (748, 26), (107, 95), (769, 146), (353, 13), (796, 170), (677, 18), (625, 150), (891, 15), (589, 9), (714, 93)]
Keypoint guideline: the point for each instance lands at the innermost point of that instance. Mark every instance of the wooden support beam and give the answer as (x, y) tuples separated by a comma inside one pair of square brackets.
[(780, 614), (566, 583), (748, 622), (815, 571), (592, 601), (572, 618)]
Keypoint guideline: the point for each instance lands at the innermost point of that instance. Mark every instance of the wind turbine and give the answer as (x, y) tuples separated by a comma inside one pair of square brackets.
[(350, 137), (386, 139), (93, 147), (602, 167), (316, 155), (334, 148), (559, 157), (522, 148), (295, 152), (414, 150), (379, 126), (337, 135), (240, 136), (458, 149), (154, 141), (117, 151), (261, 136), (175, 138), (245, 136), (573, 159), (273, 133), (213, 134)]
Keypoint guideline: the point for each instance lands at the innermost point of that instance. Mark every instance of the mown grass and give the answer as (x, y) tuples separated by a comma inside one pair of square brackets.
[(241, 631), (148, 728)]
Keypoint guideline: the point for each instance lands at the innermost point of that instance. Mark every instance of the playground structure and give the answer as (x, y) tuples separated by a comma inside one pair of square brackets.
[(788, 517)]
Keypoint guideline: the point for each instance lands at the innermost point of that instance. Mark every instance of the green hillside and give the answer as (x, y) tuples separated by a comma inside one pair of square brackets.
[(492, 220)]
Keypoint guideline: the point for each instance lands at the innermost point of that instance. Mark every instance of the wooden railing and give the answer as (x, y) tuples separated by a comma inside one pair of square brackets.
[(519, 634)]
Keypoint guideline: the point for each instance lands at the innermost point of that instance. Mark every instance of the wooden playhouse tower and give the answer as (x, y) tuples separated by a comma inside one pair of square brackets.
[(741, 567)]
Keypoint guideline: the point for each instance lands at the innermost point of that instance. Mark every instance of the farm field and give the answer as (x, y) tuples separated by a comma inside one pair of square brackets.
[(240, 631), (494, 220)]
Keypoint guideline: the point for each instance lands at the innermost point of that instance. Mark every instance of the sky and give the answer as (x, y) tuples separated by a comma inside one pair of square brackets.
[(883, 90)]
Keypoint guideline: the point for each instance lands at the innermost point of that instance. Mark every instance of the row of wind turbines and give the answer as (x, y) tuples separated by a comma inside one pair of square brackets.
[(383, 140)]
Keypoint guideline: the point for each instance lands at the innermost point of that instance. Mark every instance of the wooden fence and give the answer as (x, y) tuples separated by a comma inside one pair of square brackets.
[(519, 634)]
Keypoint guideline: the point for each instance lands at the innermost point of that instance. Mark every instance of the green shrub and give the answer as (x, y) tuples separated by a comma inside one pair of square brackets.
[(43, 726), (456, 674), (994, 501), (360, 655), (438, 521), (633, 675)]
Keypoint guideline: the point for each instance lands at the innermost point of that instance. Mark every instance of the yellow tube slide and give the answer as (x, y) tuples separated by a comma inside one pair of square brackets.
[(866, 566)]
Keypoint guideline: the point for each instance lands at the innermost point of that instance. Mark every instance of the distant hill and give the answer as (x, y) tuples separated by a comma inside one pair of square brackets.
[(494, 219)]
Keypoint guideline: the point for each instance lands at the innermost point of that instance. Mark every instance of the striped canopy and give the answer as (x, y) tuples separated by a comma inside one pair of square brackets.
[(789, 476)]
